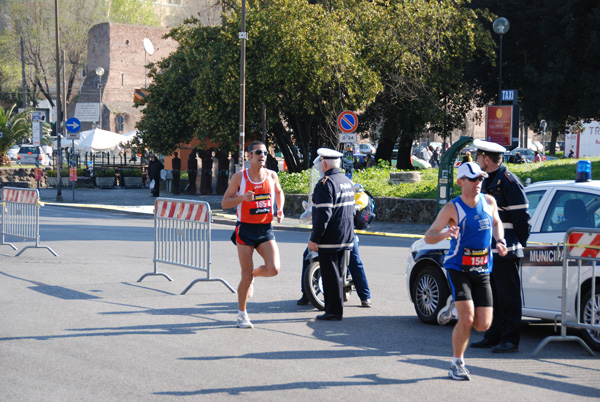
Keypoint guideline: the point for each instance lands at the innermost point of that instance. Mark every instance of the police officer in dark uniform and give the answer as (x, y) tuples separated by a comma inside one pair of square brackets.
[(506, 188), (333, 229)]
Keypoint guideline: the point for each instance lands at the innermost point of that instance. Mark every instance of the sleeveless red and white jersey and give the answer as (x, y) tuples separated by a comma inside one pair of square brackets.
[(260, 210)]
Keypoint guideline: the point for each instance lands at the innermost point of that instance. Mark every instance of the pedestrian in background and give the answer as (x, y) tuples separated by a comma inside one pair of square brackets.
[(176, 166), (154, 168), (426, 154), (435, 157), (537, 158), (192, 172)]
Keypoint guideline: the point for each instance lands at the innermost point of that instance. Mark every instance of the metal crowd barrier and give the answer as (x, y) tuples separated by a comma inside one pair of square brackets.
[(581, 245), (21, 216), (182, 235)]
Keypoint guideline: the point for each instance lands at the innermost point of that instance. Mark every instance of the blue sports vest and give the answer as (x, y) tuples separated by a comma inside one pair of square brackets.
[(470, 252)]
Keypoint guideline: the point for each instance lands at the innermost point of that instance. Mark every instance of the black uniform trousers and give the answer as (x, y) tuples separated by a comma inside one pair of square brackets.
[(506, 287), (331, 273)]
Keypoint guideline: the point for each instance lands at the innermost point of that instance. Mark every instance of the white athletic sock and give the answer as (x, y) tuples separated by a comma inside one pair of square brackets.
[(456, 360), (242, 312)]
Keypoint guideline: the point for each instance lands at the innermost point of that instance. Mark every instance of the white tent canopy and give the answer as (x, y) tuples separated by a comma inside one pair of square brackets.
[(129, 136), (98, 140)]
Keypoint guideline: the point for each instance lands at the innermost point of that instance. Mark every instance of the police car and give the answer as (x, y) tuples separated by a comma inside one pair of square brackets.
[(555, 207)]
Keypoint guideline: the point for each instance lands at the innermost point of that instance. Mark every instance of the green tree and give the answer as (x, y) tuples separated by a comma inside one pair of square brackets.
[(10, 70), (135, 12), (550, 55), (422, 50), (14, 127), (303, 64)]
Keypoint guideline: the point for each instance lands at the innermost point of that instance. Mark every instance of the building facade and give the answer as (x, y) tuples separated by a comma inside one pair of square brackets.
[(120, 51)]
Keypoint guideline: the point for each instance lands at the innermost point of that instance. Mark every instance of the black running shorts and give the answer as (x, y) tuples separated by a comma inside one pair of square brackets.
[(471, 286), (252, 234)]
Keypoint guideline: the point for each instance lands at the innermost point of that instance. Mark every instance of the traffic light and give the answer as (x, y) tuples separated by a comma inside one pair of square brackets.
[(53, 129)]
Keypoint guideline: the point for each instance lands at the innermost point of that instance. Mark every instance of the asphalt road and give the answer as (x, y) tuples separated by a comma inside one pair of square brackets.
[(80, 327)]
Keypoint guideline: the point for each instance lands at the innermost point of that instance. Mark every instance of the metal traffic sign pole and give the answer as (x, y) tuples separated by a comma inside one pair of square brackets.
[(73, 127), (37, 117)]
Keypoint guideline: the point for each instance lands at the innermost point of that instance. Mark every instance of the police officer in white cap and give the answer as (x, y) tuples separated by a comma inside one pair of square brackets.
[(506, 188), (333, 229)]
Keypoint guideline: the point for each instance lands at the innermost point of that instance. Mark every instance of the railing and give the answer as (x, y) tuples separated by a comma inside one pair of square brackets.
[(582, 247), (182, 236)]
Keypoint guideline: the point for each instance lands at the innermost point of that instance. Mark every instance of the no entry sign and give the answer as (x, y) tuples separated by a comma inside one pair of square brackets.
[(347, 121)]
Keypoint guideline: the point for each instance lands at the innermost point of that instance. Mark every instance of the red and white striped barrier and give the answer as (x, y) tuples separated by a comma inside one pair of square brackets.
[(186, 211), (578, 243), (21, 216), (20, 195), (182, 235)]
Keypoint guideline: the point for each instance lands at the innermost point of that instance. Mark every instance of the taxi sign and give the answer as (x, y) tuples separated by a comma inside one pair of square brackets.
[(347, 121)]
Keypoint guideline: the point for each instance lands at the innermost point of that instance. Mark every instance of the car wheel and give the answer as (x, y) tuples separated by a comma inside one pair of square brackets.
[(591, 337), (430, 290)]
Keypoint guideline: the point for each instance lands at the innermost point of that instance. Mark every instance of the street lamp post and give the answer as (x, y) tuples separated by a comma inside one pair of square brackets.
[(501, 27), (100, 73), (543, 126), (243, 36)]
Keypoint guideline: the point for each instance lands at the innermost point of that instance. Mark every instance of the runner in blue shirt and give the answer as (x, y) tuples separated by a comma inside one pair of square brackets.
[(470, 220)]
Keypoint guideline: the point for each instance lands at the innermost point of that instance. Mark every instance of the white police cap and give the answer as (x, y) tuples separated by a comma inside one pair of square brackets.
[(327, 153), (487, 146)]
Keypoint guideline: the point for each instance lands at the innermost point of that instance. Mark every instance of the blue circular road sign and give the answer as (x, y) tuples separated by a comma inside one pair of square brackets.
[(347, 121), (73, 125)]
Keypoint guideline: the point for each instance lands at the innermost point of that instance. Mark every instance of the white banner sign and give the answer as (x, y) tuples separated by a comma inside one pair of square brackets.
[(37, 132), (87, 112)]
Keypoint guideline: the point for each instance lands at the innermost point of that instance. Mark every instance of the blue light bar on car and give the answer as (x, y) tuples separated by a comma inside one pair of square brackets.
[(583, 171)]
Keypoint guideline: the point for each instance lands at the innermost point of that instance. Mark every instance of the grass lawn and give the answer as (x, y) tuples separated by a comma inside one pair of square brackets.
[(375, 180)]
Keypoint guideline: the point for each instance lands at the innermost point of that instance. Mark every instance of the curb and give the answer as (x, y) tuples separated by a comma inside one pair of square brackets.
[(218, 217)]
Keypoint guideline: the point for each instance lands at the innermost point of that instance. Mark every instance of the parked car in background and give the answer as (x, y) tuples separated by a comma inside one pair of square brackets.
[(366, 149), (420, 163), (510, 156), (29, 154), (13, 152)]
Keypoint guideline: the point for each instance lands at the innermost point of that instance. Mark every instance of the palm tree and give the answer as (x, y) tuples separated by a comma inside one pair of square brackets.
[(14, 127)]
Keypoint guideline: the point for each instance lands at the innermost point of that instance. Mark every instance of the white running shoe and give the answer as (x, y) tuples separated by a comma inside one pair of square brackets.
[(446, 313), (251, 289), (459, 372), (243, 321)]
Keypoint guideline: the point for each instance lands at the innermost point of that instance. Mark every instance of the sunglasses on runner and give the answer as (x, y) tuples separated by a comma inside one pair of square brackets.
[(259, 152), (474, 179)]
